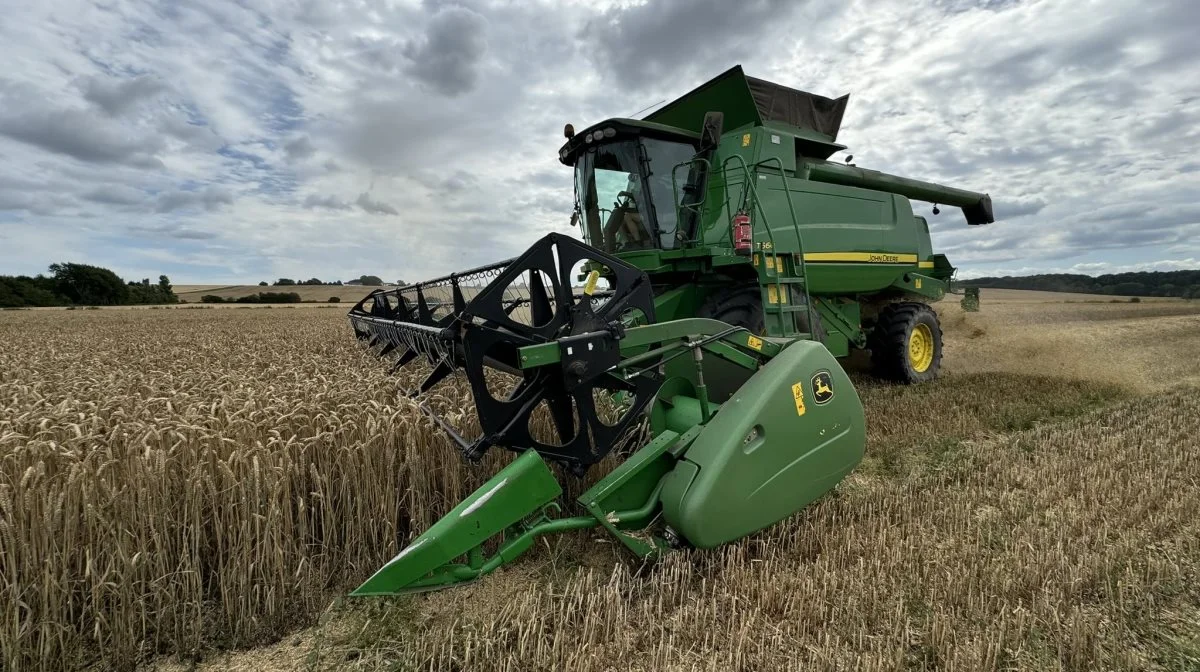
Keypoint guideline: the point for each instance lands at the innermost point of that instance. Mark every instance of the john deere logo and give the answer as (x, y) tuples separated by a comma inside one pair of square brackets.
[(822, 386)]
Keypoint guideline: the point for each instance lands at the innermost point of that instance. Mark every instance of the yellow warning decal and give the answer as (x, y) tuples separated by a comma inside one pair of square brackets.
[(754, 342), (756, 259), (925, 264), (918, 281), (773, 294), (746, 140), (798, 395)]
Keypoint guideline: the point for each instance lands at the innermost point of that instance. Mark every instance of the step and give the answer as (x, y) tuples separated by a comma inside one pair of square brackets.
[(773, 309)]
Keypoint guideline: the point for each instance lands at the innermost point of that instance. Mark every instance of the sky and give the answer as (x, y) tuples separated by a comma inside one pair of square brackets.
[(233, 142)]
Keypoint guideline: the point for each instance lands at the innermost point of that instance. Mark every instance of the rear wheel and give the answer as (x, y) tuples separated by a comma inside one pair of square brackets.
[(906, 344)]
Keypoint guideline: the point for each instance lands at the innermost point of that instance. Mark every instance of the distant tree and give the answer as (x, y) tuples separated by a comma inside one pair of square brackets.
[(1129, 288), (84, 285), (23, 291), (268, 297), (211, 298), (335, 299), (263, 283), (89, 285), (285, 281), (312, 281), (166, 290), (401, 283), (370, 280), (1139, 283)]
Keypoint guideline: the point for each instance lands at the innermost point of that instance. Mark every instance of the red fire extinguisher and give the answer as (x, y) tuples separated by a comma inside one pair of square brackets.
[(742, 233)]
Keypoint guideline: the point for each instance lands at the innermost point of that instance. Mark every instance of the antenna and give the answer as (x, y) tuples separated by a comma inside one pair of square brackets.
[(646, 108)]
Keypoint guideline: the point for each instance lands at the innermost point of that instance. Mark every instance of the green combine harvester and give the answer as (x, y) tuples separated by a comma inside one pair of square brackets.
[(727, 264)]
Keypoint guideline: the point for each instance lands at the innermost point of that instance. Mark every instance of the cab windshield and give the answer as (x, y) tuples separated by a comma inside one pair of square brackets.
[(624, 194)]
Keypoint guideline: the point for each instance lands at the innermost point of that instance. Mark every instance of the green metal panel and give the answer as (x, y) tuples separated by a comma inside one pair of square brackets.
[(778, 444), (728, 93), (519, 490)]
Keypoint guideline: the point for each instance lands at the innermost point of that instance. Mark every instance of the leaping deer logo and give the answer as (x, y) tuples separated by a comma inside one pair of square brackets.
[(822, 385)]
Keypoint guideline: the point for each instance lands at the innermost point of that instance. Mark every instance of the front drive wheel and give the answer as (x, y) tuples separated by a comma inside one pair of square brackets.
[(906, 344)]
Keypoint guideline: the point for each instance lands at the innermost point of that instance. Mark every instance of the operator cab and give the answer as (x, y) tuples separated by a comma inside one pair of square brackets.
[(625, 198)]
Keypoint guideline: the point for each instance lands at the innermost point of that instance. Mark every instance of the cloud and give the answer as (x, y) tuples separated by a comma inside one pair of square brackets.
[(225, 140), (373, 206), (115, 194), (169, 231), (78, 134), (299, 148), (209, 199), (446, 58), (1007, 209), (655, 43), (118, 96), (329, 202)]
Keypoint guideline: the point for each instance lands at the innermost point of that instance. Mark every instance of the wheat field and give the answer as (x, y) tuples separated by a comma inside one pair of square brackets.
[(195, 489)]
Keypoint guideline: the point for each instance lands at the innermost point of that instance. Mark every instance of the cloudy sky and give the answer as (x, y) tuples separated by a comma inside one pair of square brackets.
[(233, 142)]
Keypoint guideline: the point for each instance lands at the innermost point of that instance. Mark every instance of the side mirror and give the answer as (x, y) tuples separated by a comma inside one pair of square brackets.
[(710, 135)]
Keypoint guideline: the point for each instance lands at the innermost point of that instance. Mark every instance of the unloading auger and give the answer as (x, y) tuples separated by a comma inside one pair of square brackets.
[(720, 274)]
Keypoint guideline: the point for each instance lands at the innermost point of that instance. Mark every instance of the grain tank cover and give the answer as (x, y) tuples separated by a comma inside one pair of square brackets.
[(748, 100)]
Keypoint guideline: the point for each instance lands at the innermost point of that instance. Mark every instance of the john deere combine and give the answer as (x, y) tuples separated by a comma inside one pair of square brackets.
[(727, 264)]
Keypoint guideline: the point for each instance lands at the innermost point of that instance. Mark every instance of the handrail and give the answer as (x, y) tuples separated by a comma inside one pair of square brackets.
[(752, 192), (799, 242), (693, 207)]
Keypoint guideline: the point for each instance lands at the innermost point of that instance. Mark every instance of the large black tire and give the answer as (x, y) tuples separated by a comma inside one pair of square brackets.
[(906, 343), (739, 306)]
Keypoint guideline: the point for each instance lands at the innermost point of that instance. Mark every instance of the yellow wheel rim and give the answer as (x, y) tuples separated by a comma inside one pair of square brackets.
[(920, 348)]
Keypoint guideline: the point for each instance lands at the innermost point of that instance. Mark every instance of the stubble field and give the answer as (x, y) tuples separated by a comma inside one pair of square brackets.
[(195, 488)]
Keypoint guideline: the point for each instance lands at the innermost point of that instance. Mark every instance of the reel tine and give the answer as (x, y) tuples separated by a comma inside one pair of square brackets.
[(436, 376), (408, 356)]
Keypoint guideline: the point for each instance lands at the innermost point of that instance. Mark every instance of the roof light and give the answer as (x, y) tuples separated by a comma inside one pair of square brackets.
[(610, 132), (598, 135)]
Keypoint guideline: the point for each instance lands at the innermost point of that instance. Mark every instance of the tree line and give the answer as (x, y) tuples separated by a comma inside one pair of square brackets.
[(1183, 284), (70, 284), (367, 280)]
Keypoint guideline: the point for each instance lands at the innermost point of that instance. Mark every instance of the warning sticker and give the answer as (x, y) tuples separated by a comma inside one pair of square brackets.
[(798, 395), (746, 140), (774, 295), (754, 342)]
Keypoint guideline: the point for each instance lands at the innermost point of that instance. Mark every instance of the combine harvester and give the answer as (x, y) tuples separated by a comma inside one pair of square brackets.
[(727, 264)]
